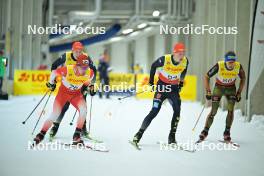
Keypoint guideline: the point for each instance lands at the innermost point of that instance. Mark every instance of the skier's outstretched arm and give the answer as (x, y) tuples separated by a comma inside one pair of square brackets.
[(158, 63), (183, 74), (52, 81), (208, 75), (59, 62), (59, 71), (242, 77), (94, 70)]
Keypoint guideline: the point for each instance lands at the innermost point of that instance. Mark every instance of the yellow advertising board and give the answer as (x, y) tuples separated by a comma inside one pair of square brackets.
[(31, 82), (188, 91)]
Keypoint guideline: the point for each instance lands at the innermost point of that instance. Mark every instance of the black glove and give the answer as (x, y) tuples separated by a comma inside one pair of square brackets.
[(92, 91), (180, 85), (208, 95), (238, 96), (84, 90), (50, 86)]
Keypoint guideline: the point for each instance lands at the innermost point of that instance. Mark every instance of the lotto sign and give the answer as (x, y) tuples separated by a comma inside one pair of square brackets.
[(31, 82)]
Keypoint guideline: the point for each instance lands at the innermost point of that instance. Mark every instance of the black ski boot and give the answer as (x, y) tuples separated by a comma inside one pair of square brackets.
[(227, 137), (77, 137), (174, 124), (38, 138), (171, 138), (84, 132), (138, 136), (54, 130), (203, 135)]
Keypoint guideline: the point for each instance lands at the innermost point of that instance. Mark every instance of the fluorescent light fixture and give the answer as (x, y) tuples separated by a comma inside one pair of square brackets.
[(127, 31), (81, 13), (155, 13), (135, 33), (142, 25), (115, 39)]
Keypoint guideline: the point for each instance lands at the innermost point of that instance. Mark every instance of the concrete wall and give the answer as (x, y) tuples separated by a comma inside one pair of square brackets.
[(22, 49), (257, 97), (244, 15), (256, 80), (159, 45), (141, 52), (119, 55)]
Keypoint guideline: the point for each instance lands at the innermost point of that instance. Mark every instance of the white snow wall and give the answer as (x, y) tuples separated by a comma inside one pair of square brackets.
[(256, 75)]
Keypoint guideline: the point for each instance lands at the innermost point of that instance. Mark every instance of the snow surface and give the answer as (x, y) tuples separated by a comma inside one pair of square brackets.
[(116, 122)]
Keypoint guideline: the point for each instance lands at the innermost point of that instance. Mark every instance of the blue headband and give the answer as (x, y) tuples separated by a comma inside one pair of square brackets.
[(229, 58)]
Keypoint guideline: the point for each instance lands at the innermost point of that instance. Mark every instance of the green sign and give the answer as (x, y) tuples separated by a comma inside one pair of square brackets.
[(3, 64)]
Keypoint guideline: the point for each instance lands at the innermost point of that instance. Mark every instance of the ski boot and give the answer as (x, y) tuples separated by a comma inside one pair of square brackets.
[(227, 137), (137, 138), (171, 138), (202, 136), (77, 138), (38, 138), (174, 124), (53, 131), (85, 133)]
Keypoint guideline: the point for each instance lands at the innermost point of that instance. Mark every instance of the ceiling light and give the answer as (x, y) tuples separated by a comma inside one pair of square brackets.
[(156, 13), (142, 25), (127, 31), (115, 39)]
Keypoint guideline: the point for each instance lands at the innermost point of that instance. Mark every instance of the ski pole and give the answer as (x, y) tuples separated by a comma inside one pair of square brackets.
[(41, 113), (90, 118), (128, 96), (35, 107), (73, 117), (198, 118)]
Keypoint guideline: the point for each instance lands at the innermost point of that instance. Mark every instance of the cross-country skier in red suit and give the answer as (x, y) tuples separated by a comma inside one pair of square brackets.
[(74, 78), (69, 58)]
